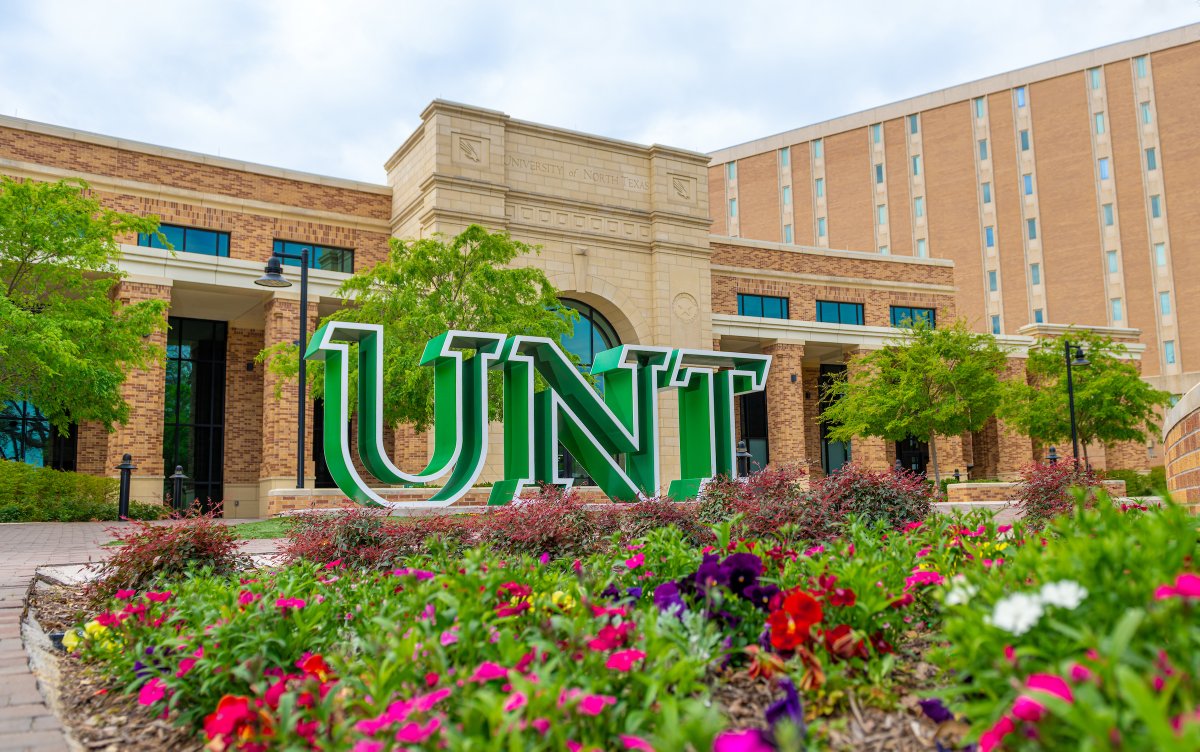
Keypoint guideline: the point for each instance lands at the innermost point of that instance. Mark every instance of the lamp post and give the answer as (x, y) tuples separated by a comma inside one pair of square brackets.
[(273, 277), (1079, 361), (743, 460)]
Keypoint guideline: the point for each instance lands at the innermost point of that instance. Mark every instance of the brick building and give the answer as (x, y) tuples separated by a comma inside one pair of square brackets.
[(627, 238)]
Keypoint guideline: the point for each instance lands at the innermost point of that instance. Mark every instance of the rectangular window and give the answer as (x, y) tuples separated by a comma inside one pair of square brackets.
[(1164, 303), (978, 107), (820, 187), (913, 124), (787, 195), (916, 164), (883, 250), (785, 156), (762, 306), (1099, 123), (919, 206), (1037, 316), (1155, 207), (1160, 254), (982, 149), (878, 174), (1113, 262), (1103, 165), (1094, 77), (820, 227), (787, 233), (995, 324), (731, 170), (1020, 96), (1145, 110), (818, 148), (1107, 210), (833, 312), (1024, 140), (733, 207), (993, 281), (989, 236), (1169, 351), (908, 315), (987, 193), (27, 436), (1151, 159), (876, 133), (188, 240), (1027, 184), (1118, 312), (1031, 228), (1139, 65), (1035, 274), (922, 248), (319, 256), (881, 214)]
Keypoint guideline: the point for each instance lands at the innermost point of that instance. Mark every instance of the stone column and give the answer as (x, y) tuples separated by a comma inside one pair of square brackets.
[(279, 415), (786, 416)]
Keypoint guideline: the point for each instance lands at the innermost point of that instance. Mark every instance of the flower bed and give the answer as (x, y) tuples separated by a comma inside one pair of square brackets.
[(678, 637)]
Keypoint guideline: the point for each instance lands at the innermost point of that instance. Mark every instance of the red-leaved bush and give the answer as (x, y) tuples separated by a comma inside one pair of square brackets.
[(768, 500), (1045, 489), (359, 537), (553, 522), (894, 497), (148, 552)]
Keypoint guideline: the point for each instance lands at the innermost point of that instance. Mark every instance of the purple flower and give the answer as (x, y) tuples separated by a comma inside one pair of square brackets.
[(936, 710), (787, 708), (711, 573), (741, 571), (760, 595), (667, 598), (634, 592)]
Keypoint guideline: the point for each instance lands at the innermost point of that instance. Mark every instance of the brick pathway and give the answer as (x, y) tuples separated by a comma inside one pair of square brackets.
[(25, 721)]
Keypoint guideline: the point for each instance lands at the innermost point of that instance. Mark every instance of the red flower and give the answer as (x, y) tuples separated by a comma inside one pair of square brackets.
[(842, 597), (840, 642), (233, 723), (624, 660), (513, 590), (611, 637), (791, 624), (315, 665)]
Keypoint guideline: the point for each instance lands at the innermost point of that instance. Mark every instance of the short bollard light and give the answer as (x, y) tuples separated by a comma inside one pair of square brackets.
[(1052, 456), (743, 459), (177, 489), (126, 467), (957, 476)]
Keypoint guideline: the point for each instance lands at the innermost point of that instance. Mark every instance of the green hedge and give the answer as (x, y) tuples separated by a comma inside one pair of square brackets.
[(1153, 483), (38, 494)]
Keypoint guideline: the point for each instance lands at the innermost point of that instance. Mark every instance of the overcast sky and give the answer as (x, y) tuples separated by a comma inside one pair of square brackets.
[(334, 87)]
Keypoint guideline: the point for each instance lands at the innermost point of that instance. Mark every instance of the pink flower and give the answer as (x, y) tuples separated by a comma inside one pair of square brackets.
[(636, 743), (284, 604), (1187, 586), (817, 549), (918, 578), (1028, 709), (333, 564), (541, 724), (924, 552), (991, 738), (1010, 654), (595, 704), (425, 703), (449, 638), (577, 566), (152, 691), (635, 561), (750, 740), (1080, 673), (185, 666), (366, 745), (515, 701), (1050, 684), (245, 598), (624, 660), (544, 558), (488, 671), (413, 733), (124, 595), (418, 574), (162, 597)]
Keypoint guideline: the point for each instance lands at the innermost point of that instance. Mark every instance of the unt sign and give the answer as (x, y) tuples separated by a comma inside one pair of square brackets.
[(598, 430)]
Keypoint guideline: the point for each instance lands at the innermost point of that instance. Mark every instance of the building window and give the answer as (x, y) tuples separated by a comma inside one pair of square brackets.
[(785, 156), (982, 149), (1139, 65), (1035, 274), (194, 407), (1024, 140), (762, 306), (1099, 123), (787, 195), (989, 236), (1020, 96), (1103, 164), (878, 174), (1031, 228), (1037, 316), (1113, 262), (1094, 77), (1164, 303), (188, 240), (27, 436), (1169, 351), (883, 250), (820, 227), (1146, 116), (1156, 207), (733, 207), (919, 206), (731, 170), (916, 164), (833, 312), (907, 315), (993, 281), (922, 248), (1160, 254), (979, 107), (987, 193), (881, 214), (820, 187), (995, 324), (1118, 312), (913, 124), (1027, 184), (876, 133), (787, 233), (1107, 210), (818, 148), (1151, 159), (319, 256)]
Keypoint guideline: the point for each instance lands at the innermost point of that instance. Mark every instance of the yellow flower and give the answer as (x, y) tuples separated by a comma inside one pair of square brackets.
[(562, 600), (71, 640)]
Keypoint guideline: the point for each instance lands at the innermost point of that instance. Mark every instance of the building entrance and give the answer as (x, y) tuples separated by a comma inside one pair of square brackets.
[(913, 455), (194, 419), (834, 454), (754, 429)]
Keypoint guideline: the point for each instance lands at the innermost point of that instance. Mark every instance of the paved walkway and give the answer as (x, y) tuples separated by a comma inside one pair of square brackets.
[(25, 721)]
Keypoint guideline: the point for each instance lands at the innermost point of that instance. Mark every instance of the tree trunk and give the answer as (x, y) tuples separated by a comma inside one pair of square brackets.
[(937, 476)]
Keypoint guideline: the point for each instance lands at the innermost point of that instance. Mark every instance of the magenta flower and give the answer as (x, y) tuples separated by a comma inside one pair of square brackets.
[(624, 660), (419, 574), (367, 745), (245, 598), (488, 671), (186, 665), (918, 578), (286, 604), (1050, 684), (124, 595), (515, 701), (1028, 709), (448, 638), (1187, 586), (541, 725), (415, 733), (991, 738), (817, 549), (152, 691), (162, 597), (635, 561), (636, 743), (750, 740), (595, 704), (1080, 673)]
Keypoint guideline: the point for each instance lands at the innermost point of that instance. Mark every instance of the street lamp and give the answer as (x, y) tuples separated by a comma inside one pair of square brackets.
[(273, 277), (1078, 361)]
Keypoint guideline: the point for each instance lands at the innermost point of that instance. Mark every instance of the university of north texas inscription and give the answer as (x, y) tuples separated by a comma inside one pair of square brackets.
[(574, 172)]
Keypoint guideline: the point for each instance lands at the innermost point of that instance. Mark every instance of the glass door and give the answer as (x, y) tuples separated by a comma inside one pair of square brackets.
[(194, 420)]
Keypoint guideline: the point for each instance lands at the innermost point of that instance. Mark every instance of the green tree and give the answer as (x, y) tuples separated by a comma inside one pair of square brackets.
[(1112, 402), (929, 382), (65, 343), (426, 287)]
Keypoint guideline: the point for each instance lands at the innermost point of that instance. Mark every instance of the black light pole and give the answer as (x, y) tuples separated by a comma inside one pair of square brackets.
[(1079, 361), (273, 277)]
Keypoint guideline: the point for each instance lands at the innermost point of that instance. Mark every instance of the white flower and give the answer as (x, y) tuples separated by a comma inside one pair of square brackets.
[(960, 591), (1064, 594), (1017, 613)]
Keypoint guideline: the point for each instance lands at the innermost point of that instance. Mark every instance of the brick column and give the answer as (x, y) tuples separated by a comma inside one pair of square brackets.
[(145, 391), (279, 415), (870, 452), (1127, 455), (812, 428), (1014, 451), (787, 419), (244, 397)]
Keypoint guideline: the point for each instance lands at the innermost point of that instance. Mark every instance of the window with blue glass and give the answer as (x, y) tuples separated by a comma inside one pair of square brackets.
[(987, 193), (1151, 159), (319, 256), (834, 312), (27, 436), (188, 240), (1027, 184), (989, 236), (762, 306), (1031, 228), (995, 324), (983, 149), (1038, 316), (914, 125), (1024, 140), (591, 336), (1035, 274), (907, 315), (1104, 174), (1021, 96)]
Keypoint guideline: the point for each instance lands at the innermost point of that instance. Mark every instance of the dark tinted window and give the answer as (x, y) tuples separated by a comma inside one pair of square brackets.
[(188, 240)]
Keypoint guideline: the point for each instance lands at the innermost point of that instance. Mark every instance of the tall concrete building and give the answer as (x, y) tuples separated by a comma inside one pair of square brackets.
[(1065, 194)]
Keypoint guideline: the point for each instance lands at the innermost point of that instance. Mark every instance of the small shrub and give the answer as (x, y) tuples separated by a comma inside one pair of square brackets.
[(1044, 490), (40, 494), (150, 553), (639, 519), (554, 522), (1153, 483), (893, 497), (768, 501), (358, 537)]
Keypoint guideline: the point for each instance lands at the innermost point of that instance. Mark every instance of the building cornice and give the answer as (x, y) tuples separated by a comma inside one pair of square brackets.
[(741, 272), (1058, 330), (859, 337), (814, 251)]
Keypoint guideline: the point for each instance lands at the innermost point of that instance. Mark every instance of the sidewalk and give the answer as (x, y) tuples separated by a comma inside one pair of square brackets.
[(25, 721)]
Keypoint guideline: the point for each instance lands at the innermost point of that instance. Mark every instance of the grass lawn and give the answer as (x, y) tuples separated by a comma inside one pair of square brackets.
[(276, 527)]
